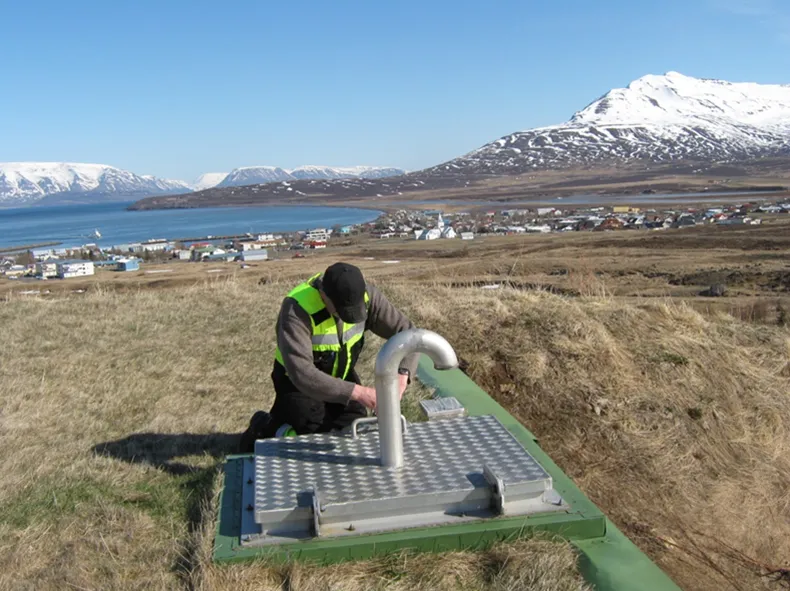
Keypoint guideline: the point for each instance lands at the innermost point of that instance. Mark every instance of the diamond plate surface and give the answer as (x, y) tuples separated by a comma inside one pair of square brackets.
[(441, 408), (440, 457)]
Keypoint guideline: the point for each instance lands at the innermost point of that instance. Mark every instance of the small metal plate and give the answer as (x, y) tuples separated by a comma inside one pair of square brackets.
[(446, 407), (442, 475)]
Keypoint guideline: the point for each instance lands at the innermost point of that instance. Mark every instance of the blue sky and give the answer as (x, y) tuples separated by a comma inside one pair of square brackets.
[(176, 88)]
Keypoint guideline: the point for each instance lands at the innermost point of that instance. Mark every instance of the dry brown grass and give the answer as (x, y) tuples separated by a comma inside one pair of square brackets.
[(673, 423), (116, 408)]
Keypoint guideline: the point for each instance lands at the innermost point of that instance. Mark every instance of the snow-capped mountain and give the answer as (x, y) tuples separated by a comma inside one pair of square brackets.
[(313, 172), (53, 183), (208, 180), (254, 175), (27, 183), (659, 119)]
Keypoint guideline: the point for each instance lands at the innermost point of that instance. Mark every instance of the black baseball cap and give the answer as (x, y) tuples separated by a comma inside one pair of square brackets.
[(344, 285)]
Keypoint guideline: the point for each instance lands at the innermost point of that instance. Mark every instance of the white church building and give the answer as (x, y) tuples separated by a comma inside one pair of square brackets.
[(440, 231)]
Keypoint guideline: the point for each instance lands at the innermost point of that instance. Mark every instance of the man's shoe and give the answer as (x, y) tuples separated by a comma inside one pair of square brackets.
[(285, 430), (259, 423)]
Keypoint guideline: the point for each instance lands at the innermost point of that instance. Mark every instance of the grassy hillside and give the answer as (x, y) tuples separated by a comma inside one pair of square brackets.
[(674, 423), (117, 406), (115, 412)]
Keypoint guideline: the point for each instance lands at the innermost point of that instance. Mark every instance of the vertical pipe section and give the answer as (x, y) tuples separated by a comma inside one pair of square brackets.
[(404, 343)]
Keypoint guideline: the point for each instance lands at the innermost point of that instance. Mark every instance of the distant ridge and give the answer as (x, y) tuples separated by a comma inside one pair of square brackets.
[(208, 180), (646, 134), (58, 183), (658, 119), (27, 183), (254, 175)]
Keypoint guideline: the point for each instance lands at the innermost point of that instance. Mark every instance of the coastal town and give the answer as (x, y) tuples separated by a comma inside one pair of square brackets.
[(65, 262)]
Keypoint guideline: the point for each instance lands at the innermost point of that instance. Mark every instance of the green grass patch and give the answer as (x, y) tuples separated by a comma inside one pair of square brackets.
[(49, 501), (162, 497)]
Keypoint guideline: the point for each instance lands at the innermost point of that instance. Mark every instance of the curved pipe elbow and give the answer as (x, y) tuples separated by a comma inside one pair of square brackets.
[(387, 394), (416, 340)]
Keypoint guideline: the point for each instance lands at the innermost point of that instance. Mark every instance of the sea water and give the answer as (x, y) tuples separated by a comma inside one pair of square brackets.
[(75, 225)]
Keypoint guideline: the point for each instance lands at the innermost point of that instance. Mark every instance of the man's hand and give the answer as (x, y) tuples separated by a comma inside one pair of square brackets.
[(365, 396), (403, 381)]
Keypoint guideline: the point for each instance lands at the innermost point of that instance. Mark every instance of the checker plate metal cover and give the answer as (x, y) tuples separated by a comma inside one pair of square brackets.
[(442, 408), (443, 460)]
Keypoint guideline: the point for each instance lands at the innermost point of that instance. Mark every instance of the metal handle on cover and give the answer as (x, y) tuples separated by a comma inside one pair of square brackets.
[(366, 420)]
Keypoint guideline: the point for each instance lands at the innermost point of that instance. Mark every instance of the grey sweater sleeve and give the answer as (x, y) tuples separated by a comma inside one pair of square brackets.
[(294, 338), (385, 320)]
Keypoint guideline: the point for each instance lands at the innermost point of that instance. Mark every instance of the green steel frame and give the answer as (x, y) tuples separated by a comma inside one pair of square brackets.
[(608, 559)]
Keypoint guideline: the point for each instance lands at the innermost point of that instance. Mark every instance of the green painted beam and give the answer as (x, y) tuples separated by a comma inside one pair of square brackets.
[(611, 562), (477, 535), (608, 559)]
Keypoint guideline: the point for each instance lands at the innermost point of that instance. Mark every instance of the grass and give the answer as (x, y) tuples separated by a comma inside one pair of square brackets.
[(117, 405), (671, 421), (116, 409)]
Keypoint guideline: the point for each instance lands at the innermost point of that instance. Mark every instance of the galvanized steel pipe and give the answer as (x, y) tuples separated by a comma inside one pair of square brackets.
[(387, 397)]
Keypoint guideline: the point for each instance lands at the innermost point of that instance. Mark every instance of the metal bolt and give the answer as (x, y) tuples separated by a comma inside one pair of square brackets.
[(249, 481), (250, 508)]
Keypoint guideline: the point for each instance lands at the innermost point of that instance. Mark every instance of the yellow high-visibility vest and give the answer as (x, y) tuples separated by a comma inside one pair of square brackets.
[(336, 345)]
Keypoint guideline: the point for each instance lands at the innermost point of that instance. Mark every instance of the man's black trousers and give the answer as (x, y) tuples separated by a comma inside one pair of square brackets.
[(306, 414)]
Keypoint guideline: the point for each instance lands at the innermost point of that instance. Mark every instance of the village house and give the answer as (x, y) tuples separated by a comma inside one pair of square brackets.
[(317, 235), (220, 255), (253, 255), (42, 253), (156, 245), (15, 271), (542, 229), (610, 224), (449, 232), (440, 231), (47, 268), (244, 245), (738, 220), (126, 265), (75, 268), (430, 234), (684, 221), (201, 253), (270, 240)]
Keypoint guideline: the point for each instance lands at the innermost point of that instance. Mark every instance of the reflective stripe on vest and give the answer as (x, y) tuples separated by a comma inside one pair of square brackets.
[(351, 330), (325, 330)]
